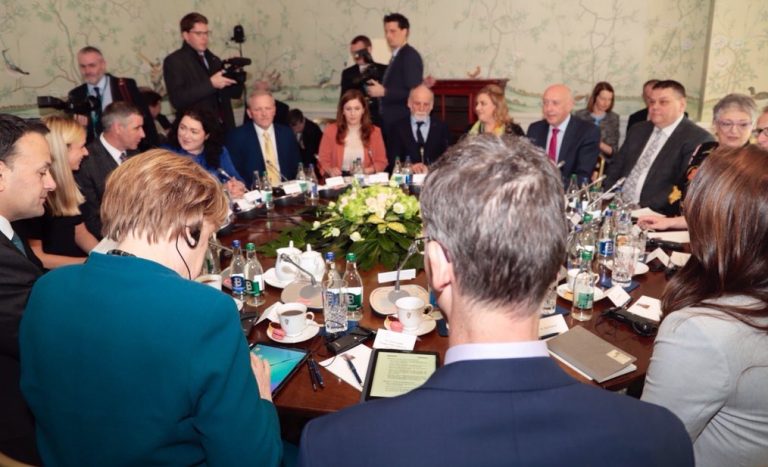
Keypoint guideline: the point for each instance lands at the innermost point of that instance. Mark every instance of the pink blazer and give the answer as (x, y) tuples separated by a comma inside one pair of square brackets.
[(332, 154)]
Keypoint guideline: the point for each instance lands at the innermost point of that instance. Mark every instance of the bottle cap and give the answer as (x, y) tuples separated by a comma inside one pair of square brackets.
[(329, 256), (351, 257), (250, 247), (235, 243), (587, 217), (586, 255)]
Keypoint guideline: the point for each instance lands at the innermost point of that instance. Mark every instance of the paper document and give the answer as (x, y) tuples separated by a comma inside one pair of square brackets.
[(645, 212), (338, 366), (680, 236), (551, 325), (386, 339), (647, 307)]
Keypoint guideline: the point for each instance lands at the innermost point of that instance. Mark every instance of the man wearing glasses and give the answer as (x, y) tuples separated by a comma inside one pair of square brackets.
[(194, 76), (363, 69)]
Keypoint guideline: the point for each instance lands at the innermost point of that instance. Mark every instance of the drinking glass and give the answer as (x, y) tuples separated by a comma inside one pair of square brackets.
[(624, 258)]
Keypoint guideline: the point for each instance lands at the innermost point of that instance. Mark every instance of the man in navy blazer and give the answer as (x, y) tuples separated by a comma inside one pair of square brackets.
[(577, 142), (405, 140), (499, 399), (25, 180), (246, 143), (405, 72)]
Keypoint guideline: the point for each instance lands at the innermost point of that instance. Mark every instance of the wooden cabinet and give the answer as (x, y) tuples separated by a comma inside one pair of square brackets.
[(455, 102)]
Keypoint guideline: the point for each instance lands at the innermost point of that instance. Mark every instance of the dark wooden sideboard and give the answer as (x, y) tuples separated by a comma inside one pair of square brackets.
[(455, 102)]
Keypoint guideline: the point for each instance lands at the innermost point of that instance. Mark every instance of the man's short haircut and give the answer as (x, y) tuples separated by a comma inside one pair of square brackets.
[(190, 19), (739, 102), (118, 111), (650, 82), (295, 116), (496, 206), (12, 129), (89, 49), (364, 39), (158, 194), (255, 94), (402, 21), (151, 98), (671, 84)]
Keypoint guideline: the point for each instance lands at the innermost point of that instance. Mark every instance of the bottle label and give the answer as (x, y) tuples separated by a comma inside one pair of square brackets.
[(408, 178), (303, 186), (354, 298), (606, 247), (584, 300), (238, 283), (314, 190), (267, 195), (254, 286)]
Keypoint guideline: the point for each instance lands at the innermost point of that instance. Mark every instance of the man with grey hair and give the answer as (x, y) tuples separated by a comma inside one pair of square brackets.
[(123, 130), (496, 234)]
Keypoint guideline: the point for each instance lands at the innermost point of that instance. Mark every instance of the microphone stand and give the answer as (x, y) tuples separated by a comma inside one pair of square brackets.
[(615, 186), (396, 293), (585, 187), (288, 259)]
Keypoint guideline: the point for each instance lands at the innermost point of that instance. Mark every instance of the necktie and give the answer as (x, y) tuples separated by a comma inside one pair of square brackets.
[(631, 188), (123, 157), (420, 140), (271, 160), (201, 56), (96, 114), (16, 240), (552, 152)]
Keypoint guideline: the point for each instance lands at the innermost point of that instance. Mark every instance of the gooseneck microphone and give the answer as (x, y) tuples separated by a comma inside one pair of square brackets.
[(615, 186)]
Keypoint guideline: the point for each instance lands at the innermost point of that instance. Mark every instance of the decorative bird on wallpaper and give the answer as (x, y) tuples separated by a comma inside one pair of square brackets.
[(758, 96), (12, 68), (325, 81), (474, 73)]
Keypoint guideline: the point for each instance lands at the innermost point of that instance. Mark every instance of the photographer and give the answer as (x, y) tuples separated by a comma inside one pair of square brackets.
[(195, 77), (364, 69)]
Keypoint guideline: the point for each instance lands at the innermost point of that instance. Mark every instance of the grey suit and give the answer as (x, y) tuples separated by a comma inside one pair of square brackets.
[(712, 371), (92, 179), (668, 167)]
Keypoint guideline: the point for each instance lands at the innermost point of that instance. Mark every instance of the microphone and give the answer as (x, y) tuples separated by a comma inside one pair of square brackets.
[(370, 156), (615, 186), (560, 165), (397, 293), (289, 260), (272, 166), (585, 187), (308, 292)]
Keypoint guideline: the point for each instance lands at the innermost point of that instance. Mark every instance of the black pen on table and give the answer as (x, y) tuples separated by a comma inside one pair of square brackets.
[(354, 370), (311, 375), (316, 372)]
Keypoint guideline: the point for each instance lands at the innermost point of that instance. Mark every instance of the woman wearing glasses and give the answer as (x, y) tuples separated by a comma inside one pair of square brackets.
[(710, 358), (734, 116)]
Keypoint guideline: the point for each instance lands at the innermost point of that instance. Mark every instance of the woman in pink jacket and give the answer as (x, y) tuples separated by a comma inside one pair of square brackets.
[(352, 137)]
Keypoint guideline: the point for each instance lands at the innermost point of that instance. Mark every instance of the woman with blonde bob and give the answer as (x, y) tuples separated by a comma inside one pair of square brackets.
[(493, 114), (710, 358), (59, 237), (151, 367)]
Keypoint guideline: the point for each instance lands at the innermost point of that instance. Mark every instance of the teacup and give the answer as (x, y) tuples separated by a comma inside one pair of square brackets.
[(211, 280), (572, 278), (284, 270), (411, 311), (294, 318)]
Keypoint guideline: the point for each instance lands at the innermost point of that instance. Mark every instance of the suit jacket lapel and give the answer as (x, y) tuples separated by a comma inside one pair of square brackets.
[(662, 158)]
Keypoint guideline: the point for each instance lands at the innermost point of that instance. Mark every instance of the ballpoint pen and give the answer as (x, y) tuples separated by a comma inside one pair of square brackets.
[(352, 367), (311, 375), (316, 372)]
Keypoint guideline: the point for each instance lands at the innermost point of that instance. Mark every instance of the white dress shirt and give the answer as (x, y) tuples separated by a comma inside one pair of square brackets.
[(496, 351)]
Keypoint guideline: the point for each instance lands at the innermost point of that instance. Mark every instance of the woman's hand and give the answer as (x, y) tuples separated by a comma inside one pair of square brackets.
[(261, 372), (235, 187), (662, 223)]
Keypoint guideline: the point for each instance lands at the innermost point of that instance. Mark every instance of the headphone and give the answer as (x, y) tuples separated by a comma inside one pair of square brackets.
[(194, 234)]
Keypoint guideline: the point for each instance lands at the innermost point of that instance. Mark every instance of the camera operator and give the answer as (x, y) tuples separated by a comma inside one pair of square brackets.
[(364, 69), (195, 77), (103, 89)]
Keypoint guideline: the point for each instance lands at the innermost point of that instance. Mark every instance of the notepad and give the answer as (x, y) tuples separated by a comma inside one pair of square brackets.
[(592, 356)]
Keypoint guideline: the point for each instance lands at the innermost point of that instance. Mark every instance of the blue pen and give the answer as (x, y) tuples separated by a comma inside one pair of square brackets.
[(352, 367)]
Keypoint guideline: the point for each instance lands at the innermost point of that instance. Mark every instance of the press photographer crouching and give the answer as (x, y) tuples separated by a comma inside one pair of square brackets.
[(151, 367)]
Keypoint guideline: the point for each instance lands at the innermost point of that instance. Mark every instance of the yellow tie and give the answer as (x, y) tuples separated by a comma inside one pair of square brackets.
[(271, 161)]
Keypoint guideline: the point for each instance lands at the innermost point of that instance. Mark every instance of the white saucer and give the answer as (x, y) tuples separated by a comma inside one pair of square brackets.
[(640, 268), (563, 292), (308, 333), (380, 301), (427, 325), (271, 278)]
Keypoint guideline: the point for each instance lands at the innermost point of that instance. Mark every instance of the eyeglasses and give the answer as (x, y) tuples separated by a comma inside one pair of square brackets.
[(760, 131), (727, 125), (201, 33)]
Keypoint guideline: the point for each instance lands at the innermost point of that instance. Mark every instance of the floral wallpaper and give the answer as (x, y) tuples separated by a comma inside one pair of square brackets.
[(301, 46)]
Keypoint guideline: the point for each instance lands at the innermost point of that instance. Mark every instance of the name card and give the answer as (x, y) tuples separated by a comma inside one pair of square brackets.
[(660, 254), (418, 179), (292, 188), (386, 339), (618, 295), (680, 236), (405, 275), (647, 307), (381, 177), (334, 181), (253, 196), (554, 324), (679, 259)]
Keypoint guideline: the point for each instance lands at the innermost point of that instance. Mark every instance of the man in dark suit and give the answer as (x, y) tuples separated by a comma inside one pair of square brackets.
[(642, 114), (656, 153), (263, 145), (123, 129), (405, 72), (107, 89), (194, 76), (572, 141), (421, 137), (364, 69), (25, 181), (499, 399), (308, 135)]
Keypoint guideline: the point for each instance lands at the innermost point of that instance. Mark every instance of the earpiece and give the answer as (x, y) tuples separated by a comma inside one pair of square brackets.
[(194, 236)]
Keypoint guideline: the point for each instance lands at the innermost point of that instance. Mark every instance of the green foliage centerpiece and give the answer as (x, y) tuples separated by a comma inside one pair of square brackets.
[(377, 223)]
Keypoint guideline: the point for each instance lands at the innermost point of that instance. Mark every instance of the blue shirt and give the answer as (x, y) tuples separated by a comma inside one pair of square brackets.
[(496, 350), (225, 162)]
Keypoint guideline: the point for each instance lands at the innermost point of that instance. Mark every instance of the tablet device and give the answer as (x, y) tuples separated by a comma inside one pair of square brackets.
[(395, 372), (283, 362)]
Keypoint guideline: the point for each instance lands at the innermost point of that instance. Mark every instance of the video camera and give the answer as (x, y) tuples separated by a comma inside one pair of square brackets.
[(233, 68), (71, 106), (370, 72)]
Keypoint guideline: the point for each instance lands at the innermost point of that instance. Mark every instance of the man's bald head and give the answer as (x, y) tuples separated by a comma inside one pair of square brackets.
[(557, 104), (420, 101)]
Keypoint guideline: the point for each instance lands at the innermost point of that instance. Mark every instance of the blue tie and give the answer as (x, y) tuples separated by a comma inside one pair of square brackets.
[(16, 240)]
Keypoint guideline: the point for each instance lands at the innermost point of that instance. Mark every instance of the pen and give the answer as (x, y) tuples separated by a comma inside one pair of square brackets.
[(316, 372), (354, 370), (311, 376), (547, 336)]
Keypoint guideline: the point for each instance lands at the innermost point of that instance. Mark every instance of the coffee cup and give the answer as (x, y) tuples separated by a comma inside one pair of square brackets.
[(410, 312), (294, 318), (211, 280), (572, 278)]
